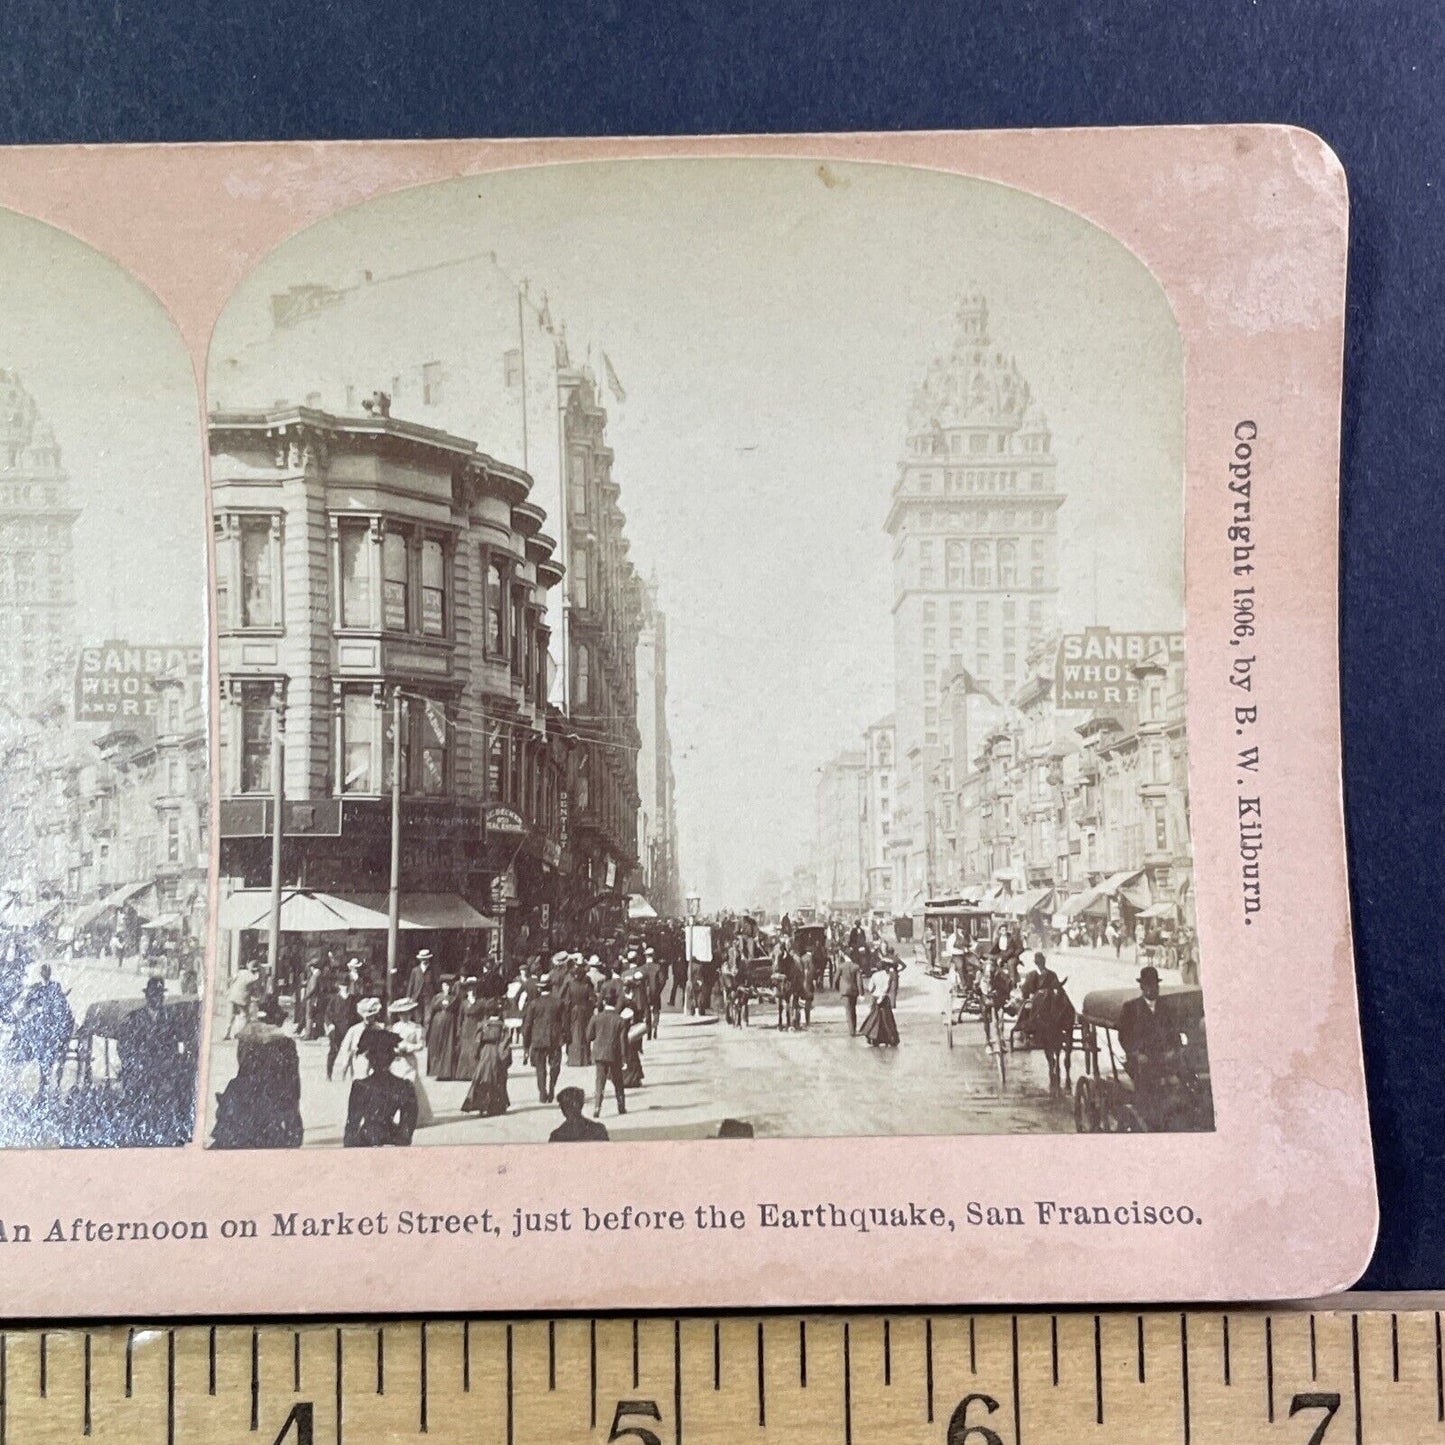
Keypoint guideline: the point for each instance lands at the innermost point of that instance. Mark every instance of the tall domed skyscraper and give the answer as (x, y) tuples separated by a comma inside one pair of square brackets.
[(974, 520), (37, 575)]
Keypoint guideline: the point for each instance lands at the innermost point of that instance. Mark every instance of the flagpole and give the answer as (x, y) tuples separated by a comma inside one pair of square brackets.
[(522, 363)]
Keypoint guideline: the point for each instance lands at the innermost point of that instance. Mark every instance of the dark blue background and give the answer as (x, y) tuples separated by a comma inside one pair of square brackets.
[(1367, 75)]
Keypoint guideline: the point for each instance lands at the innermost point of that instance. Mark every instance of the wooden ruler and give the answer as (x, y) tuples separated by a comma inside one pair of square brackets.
[(1325, 1378)]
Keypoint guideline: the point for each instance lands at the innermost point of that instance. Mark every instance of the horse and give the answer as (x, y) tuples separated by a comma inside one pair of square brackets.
[(1051, 1027)]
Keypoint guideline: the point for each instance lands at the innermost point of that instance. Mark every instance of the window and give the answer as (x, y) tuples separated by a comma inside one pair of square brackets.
[(981, 612), (1036, 482), (258, 572), (358, 586), (394, 587), (173, 838), (431, 383), (957, 564), (579, 579), (1007, 564), (982, 565), (512, 368), (175, 776), (1036, 614), (1161, 828), (496, 627), (256, 711), (496, 742), (1008, 611), (430, 749), (519, 631), (224, 586), (1010, 666), (360, 741), (433, 588), (583, 667), (577, 484), (978, 442), (1036, 577)]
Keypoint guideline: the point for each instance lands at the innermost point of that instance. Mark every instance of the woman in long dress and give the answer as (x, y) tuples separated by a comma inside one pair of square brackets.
[(579, 999), (880, 1028), (410, 1041), (488, 1094), (469, 1030), (441, 1032)]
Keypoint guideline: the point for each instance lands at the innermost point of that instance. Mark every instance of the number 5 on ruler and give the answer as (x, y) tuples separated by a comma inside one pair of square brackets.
[(623, 1431)]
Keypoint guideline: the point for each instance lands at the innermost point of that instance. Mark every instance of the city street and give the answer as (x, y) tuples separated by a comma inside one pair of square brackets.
[(814, 1082)]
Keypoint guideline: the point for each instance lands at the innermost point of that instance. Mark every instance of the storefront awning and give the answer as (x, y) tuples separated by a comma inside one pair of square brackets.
[(639, 907), (1022, 904), (308, 912), (164, 922), (1160, 910), (1095, 900), (126, 893)]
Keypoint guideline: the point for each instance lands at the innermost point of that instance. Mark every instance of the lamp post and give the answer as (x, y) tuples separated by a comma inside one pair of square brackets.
[(278, 807), (393, 895), (694, 905)]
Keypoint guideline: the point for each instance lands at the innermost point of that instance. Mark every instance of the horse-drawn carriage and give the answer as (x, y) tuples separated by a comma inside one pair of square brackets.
[(1168, 1095)]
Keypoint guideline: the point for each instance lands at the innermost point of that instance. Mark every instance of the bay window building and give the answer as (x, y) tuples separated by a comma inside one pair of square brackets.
[(380, 601)]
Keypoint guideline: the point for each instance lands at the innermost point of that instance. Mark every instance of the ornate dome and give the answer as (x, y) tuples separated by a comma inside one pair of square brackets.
[(975, 384), (26, 441)]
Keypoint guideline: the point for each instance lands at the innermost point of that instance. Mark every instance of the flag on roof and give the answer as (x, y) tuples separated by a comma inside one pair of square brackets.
[(613, 385)]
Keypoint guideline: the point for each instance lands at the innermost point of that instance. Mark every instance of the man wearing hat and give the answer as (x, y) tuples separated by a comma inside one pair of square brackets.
[(341, 1016), (1148, 1037), (542, 1036), (421, 987)]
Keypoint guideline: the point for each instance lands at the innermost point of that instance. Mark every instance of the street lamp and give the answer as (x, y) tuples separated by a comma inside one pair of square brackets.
[(694, 904)]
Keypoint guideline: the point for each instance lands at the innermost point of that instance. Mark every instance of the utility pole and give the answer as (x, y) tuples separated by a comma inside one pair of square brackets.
[(278, 807), (393, 897)]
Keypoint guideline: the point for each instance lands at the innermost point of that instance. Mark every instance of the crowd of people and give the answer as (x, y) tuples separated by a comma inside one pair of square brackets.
[(596, 1010)]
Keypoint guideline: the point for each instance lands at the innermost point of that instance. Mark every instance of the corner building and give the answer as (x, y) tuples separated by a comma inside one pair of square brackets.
[(973, 519), (356, 557)]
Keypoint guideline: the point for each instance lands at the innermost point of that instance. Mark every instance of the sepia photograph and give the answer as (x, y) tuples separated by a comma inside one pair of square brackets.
[(105, 784), (701, 655)]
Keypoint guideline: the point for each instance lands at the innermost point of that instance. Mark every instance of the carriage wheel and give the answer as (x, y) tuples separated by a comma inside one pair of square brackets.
[(1000, 1053), (1087, 1113), (948, 1025)]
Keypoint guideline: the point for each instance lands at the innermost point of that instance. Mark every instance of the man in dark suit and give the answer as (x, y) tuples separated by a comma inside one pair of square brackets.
[(1149, 1039), (421, 987), (341, 1015), (543, 1030), (574, 1129), (850, 983), (607, 1033)]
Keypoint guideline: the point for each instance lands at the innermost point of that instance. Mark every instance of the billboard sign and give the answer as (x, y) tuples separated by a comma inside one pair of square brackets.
[(1095, 667), (116, 680)]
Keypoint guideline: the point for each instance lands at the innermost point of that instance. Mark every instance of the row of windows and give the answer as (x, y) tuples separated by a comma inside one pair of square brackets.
[(984, 519), (514, 765), (982, 613), (959, 483), (391, 577)]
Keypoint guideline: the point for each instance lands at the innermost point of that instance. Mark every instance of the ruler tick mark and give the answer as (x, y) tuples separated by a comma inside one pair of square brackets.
[(1098, 1371), (1439, 1372), (85, 1415), (551, 1354), (4, 1380), (802, 1354), (1269, 1367), (381, 1360), (296, 1361), (636, 1360), (1355, 1372), (716, 1355), (1054, 1346), (467, 1359), (129, 1361), (592, 1369), (211, 1361), (1139, 1344), (1018, 1404), (170, 1387), (762, 1389), (1395, 1348), (339, 1387), (44, 1364), (1184, 1370), (422, 1409), (1314, 1356), (511, 1412), (847, 1386), (677, 1378), (972, 1348), (1226, 1349), (255, 1377), (928, 1365), (887, 1354)]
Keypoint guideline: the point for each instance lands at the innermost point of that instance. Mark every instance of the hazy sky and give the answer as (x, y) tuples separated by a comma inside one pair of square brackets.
[(770, 321), (109, 373)]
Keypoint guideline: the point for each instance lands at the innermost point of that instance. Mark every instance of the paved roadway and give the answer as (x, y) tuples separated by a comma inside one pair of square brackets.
[(810, 1083)]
